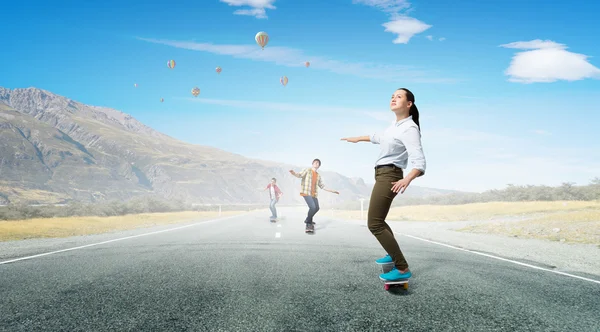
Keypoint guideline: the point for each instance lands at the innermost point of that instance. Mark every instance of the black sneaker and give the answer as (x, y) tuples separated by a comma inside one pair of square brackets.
[(310, 228)]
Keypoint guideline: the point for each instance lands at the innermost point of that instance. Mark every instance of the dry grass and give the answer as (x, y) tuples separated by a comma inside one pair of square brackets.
[(478, 211), (73, 226), (15, 194), (565, 221), (565, 226)]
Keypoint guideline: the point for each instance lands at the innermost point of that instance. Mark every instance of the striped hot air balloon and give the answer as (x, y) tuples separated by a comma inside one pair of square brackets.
[(171, 64), (135, 85), (283, 80), (307, 64), (196, 91), (218, 70), (262, 38)]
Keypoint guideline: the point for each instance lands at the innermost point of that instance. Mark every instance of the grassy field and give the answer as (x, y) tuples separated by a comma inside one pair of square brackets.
[(569, 226), (73, 226), (18, 194), (566, 221)]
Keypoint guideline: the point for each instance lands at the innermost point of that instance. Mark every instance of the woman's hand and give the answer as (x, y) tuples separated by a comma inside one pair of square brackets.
[(351, 139), (401, 185)]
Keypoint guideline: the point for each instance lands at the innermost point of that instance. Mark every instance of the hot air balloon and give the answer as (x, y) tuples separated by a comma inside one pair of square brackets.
[(307, 64), (283, 80), (196, 91), (218, 70), (171, 64), (135, 85), (161, 100), (262, 38)]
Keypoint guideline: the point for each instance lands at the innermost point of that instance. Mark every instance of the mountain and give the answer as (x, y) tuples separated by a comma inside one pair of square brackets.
[(54, 149)]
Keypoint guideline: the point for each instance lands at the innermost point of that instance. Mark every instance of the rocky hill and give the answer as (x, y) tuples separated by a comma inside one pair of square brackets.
[(54, 150)]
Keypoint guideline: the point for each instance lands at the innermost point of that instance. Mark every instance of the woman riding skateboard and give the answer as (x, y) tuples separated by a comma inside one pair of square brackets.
[(399, 144)]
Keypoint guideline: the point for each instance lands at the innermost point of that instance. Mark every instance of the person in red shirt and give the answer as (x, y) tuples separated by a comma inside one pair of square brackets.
[(274, 194)]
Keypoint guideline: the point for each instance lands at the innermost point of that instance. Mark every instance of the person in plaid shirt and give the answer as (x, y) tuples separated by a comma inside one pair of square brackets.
[(308, 189)]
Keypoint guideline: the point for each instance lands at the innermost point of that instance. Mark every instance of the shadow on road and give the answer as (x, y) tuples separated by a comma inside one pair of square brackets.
[(400, 291), (322, 225)]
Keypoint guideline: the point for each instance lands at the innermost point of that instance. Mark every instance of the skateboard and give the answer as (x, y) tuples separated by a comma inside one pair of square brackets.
[(389, 284), (273, 220), (385, 268), (310, 230)]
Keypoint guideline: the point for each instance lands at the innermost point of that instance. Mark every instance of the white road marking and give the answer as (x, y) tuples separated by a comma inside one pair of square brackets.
[(277, 234), (114, 240), (500, 258), (279, 225)]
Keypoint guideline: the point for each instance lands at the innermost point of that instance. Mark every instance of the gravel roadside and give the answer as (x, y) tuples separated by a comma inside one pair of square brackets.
[(579, 259)]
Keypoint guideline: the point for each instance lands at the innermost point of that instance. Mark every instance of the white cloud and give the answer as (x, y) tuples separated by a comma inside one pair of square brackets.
[(383, 114), (258, 7), (291, 57), (496, 173), (541, 132), (466, 159), (386, 6), (402, 25), (388, 116), (533, 44), (287, 107), (458, 156), (451, 136), (405, 28), (547, 61), (430, 37)]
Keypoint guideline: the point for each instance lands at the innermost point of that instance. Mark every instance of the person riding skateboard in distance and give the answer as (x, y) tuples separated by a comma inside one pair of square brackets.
[(308, 189), (274, 194)]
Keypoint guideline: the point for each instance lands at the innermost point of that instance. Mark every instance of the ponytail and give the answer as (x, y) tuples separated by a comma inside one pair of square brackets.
[(414, 111)]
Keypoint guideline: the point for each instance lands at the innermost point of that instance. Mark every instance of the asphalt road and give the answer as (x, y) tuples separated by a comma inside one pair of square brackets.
[(246, 274)]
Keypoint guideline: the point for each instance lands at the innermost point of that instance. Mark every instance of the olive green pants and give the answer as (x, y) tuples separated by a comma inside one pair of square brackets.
[(379, 206)]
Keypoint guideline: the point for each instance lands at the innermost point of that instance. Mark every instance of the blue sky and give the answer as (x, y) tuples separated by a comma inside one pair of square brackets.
[(507, 93)]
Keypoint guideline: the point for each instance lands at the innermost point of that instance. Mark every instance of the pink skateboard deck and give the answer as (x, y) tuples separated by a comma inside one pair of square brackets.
[(387, 284)]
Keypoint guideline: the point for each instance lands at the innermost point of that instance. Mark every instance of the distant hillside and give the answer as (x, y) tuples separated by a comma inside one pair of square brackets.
[(55, 150)]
